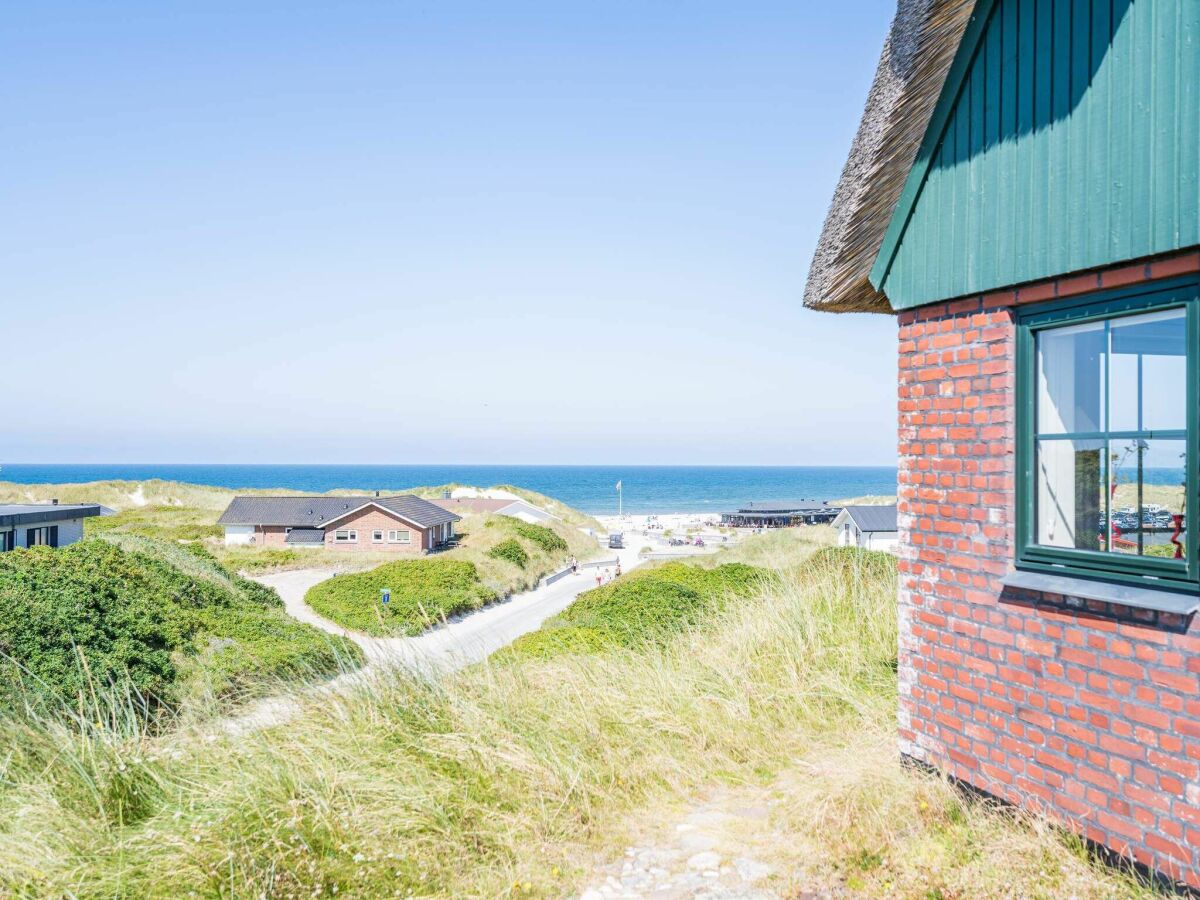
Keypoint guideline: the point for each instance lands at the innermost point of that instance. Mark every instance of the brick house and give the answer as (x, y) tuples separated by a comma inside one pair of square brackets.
[(1023, 195), (400, 524)]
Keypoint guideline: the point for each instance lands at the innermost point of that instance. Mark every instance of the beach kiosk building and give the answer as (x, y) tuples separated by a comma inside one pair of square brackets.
[(1023, 195), (780, 514)]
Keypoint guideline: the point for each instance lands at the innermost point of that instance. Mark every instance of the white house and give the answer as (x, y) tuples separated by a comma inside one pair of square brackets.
[(43, 524), (500, 506), (869, 527)]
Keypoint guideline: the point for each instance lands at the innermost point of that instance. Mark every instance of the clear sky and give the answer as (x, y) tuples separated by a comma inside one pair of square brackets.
[(437, 232)]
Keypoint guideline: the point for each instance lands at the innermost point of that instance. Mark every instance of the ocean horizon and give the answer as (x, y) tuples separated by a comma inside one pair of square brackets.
[(592, 489)]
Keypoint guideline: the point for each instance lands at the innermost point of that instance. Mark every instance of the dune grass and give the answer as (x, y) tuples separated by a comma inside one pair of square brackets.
[(510, 779)]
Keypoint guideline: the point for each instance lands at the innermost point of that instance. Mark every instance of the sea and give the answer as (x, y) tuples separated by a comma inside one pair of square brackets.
[(592, 489)]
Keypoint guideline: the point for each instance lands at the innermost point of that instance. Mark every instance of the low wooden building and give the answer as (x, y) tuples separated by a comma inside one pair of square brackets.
[(781, 514)]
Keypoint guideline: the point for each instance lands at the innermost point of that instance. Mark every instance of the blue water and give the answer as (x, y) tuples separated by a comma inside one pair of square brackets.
[(647, 489)]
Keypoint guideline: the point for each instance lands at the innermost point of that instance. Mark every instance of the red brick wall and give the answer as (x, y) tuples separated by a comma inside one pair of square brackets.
[(364, 523), (1087, 712), (374, 519)]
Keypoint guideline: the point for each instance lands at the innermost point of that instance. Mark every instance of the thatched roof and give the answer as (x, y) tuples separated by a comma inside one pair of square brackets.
[(916, 56)]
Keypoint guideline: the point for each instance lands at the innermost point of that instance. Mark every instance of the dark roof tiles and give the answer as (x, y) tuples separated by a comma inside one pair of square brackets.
[(320, 511)]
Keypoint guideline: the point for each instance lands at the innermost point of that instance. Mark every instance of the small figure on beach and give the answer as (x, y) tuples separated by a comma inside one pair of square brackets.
[(574, 566), (618, 572), (599, 578)]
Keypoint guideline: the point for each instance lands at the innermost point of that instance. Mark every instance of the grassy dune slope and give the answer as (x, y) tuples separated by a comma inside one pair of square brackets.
[(508, 779), (473, 574), (165, 617), (174, 511)]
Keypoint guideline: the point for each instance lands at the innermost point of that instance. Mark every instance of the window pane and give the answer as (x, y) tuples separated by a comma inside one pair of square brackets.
[(1070, 493), (1148, 372), (1070, 375), (1147, 496)]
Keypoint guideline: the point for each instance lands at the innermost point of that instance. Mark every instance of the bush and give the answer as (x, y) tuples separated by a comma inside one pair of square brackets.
[(166, 619), (550, 642), (646, 606), (512, 551), (423, 592), (547, 539)]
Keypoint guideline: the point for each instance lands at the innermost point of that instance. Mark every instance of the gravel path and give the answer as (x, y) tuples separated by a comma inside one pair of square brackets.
[(461, 641), (714, 850)]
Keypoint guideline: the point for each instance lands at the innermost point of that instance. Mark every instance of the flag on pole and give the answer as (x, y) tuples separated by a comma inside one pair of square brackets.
[(618, 485)]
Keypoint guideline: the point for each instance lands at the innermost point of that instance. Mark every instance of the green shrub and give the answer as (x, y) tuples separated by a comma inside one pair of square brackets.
[(423, 592), (168, 620), (546, 538), (650, 605), (550, 642), (511, 551)]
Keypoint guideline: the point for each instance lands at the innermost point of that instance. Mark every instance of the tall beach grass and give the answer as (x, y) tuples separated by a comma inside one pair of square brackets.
[(510, 777)]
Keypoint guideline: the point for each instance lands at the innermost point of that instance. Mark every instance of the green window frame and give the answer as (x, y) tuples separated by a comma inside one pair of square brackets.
[(1104, 564)]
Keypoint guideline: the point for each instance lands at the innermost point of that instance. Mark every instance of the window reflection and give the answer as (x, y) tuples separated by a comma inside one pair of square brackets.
[(1071, 378), (1147, 515), (1070, 493), (1111, 414), (1148, 372)]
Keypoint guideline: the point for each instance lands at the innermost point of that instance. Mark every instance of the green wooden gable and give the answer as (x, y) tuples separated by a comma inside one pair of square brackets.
[(1066, 137)]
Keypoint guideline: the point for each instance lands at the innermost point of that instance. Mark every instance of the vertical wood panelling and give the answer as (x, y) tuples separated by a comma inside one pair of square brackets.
[(1073, 142)]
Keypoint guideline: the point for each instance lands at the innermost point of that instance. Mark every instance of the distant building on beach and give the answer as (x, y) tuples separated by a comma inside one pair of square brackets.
[(1023, 194), (869, 527), (400, 524), (500, 506), (43, 524), (781, 514)]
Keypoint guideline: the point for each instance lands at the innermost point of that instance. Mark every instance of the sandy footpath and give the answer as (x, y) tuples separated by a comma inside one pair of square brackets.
[(461, 641)]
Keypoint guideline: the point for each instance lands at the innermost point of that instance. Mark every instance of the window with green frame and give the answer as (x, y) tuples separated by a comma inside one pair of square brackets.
[(1107, 436)]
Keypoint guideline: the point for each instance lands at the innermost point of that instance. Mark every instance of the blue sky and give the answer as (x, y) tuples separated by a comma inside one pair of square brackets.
[(432, 233)]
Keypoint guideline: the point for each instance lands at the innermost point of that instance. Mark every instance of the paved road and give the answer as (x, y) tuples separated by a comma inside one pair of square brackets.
[(460, 642)]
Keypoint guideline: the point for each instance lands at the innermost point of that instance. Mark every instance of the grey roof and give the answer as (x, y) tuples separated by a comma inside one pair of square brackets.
[(785, 506), (305, 536), (314, 512), (873, 518), (33, 513), (917, 55)]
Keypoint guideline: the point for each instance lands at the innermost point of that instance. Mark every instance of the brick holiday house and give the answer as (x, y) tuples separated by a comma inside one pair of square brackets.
[(1023, 195), (400, 524)]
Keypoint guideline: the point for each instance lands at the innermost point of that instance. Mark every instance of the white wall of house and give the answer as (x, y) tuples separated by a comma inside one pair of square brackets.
[(237, 535), (69, 531), (850, 535)]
